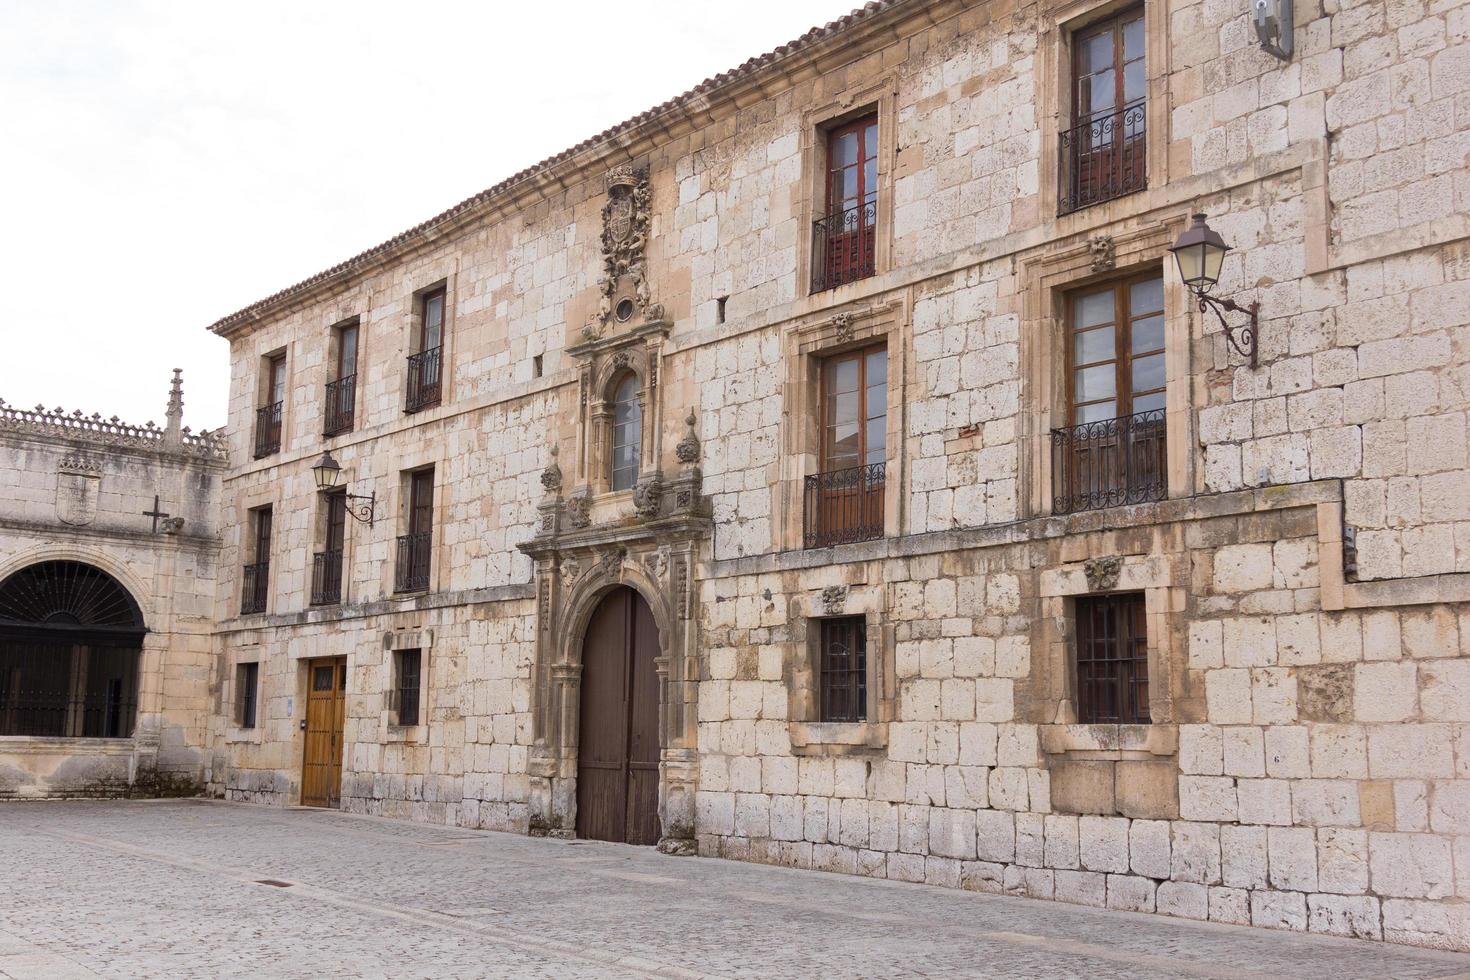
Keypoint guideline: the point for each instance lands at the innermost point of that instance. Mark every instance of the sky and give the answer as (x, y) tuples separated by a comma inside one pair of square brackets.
[(163, 164)]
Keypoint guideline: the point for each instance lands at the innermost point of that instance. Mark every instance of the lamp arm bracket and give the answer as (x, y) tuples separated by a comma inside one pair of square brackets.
[(1242, 337), (361, 507)]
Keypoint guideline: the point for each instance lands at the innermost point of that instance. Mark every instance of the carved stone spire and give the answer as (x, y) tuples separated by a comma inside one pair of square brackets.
[(551, 476), (173, 432), (688, 448)]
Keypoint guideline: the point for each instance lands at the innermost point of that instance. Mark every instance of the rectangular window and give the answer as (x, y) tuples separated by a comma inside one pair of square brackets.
[(268, 415), (1103, 153), (254, 582), (844, 669), (425, 364), (406, 668), (844, 502), (326, 569), (1113, 450), (247, 680), (843, 238), (342, 389), (1112, 660), (414, 547)]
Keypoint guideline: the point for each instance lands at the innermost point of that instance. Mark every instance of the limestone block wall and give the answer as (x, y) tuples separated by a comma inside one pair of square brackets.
[(77, 493)]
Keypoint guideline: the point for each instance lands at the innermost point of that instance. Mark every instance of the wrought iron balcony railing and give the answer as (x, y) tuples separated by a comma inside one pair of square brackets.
[(843, 506), (267, 430), (341, 401), (254, 586), (842, 246), (326, 577), (1110, 463), (105, 713), (1102, 158), (411, 572), (423, 380)]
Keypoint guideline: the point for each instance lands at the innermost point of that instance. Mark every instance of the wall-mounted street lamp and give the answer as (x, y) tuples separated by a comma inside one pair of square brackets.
[(1200, 252), (328, 474)]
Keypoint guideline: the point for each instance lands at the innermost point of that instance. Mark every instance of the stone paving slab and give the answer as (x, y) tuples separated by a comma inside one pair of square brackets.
[(123, 889)]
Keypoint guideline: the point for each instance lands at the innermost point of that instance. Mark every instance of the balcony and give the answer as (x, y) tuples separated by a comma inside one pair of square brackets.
[(842, 246), (423, 380), (341, 401), (254, 589), (411, 572), (1108, 464), (267, 430), (326, 577), (1102, 159), (843, 506)]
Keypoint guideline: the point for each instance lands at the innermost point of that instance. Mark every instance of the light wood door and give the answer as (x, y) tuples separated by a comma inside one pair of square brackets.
[(326, 690)]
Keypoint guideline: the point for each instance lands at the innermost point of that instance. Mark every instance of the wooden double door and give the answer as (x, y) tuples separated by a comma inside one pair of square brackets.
[(326, 702), (618, 742)]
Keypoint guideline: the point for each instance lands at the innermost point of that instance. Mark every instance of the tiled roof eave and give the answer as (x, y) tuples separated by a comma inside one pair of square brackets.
[(758, 78)]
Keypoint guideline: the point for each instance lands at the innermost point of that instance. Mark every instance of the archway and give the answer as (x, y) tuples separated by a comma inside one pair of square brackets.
[(70, 640), (618, 732)]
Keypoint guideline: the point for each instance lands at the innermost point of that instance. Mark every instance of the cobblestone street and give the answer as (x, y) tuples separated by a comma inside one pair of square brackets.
[(201, 889)]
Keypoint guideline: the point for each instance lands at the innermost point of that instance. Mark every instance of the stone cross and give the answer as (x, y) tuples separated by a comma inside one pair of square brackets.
[(155, 513)]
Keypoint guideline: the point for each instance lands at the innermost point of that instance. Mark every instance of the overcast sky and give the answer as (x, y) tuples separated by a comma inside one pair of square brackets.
[(163, 164)]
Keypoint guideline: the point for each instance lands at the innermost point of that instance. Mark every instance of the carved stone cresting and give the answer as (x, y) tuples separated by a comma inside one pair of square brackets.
[(647, 496), (551, 476), (844, 324), (687, 451), (1102, 573), (1104, 254), (834, 599), (112, 433), (81, 463)]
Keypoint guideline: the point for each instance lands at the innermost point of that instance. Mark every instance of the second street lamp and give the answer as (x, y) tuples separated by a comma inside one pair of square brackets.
[(328, 473), (1200, 253)]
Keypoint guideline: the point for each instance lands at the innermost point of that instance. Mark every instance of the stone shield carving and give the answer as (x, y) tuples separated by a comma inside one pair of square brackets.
[(78, 485)]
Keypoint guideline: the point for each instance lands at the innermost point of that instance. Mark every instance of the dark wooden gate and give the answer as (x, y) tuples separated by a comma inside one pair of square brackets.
[(618, 748)]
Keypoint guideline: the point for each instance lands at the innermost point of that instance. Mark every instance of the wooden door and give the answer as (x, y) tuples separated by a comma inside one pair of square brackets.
[(326, 690), (618, 744)]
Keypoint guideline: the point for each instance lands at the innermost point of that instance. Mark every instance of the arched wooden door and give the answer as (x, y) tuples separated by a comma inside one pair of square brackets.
[(618, 750)]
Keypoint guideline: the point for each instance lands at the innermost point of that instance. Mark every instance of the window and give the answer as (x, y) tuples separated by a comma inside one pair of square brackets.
[(424, 366), (257, 571), (406, 668), (627, 433), (843, 239), (538, 366), (268, 415), (844, 502), (844, 669), (247, 678), (1103, 153), (342, 390), (326, 567), (414, 547), (1112, 660), (1113, 450)]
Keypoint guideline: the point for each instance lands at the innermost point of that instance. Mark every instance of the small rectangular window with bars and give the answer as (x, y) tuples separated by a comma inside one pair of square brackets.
[(1112, 660), (247, 683), (407, 665), (844, 669)]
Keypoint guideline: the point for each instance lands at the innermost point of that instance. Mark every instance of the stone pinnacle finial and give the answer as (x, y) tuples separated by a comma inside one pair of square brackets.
[(175, 413)]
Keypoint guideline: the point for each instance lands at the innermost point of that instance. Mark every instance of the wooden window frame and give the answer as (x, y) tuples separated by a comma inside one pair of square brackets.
[(854, 684), (1113, 23), (612, 431), (828, 363), (1123, 355), (857, 247), (417, 541), (404, 694), (1124, 655), (262, 528), (247, 697)]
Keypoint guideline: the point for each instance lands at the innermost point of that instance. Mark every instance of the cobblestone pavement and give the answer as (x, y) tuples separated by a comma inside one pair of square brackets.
[(181, 888)]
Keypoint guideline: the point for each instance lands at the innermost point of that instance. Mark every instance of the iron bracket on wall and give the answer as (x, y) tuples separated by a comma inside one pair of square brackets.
[(1242, 337)]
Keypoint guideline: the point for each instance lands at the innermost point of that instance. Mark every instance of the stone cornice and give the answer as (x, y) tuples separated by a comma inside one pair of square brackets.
[(817, 52)]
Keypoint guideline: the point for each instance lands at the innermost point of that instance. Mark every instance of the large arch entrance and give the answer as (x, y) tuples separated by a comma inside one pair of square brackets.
[(618, 738), (70, 641)]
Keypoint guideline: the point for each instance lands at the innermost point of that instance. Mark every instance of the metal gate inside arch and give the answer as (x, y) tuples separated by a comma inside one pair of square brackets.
[(618, 743), (70, 639)]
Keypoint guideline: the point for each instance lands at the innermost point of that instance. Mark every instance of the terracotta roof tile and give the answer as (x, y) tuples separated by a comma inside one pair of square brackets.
[(863, 13)]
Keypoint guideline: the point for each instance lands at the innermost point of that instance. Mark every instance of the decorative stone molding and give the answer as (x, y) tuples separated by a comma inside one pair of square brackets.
[(551, 476), (578, 507), (687, 451), (81, 464), (842, 324), (834, 599), (113, 433), (1102, 573), (647, 495), (1104, 255), (626, 217)]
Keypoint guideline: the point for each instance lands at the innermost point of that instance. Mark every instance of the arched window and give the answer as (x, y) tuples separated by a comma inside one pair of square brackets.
[(627, 433), (70, 638)]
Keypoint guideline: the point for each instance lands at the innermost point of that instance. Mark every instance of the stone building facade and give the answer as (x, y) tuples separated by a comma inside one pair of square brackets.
[(839, 444), (108, 541)]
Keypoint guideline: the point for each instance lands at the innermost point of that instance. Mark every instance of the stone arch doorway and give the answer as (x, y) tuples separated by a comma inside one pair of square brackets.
[(618, 731), (70, 640)]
